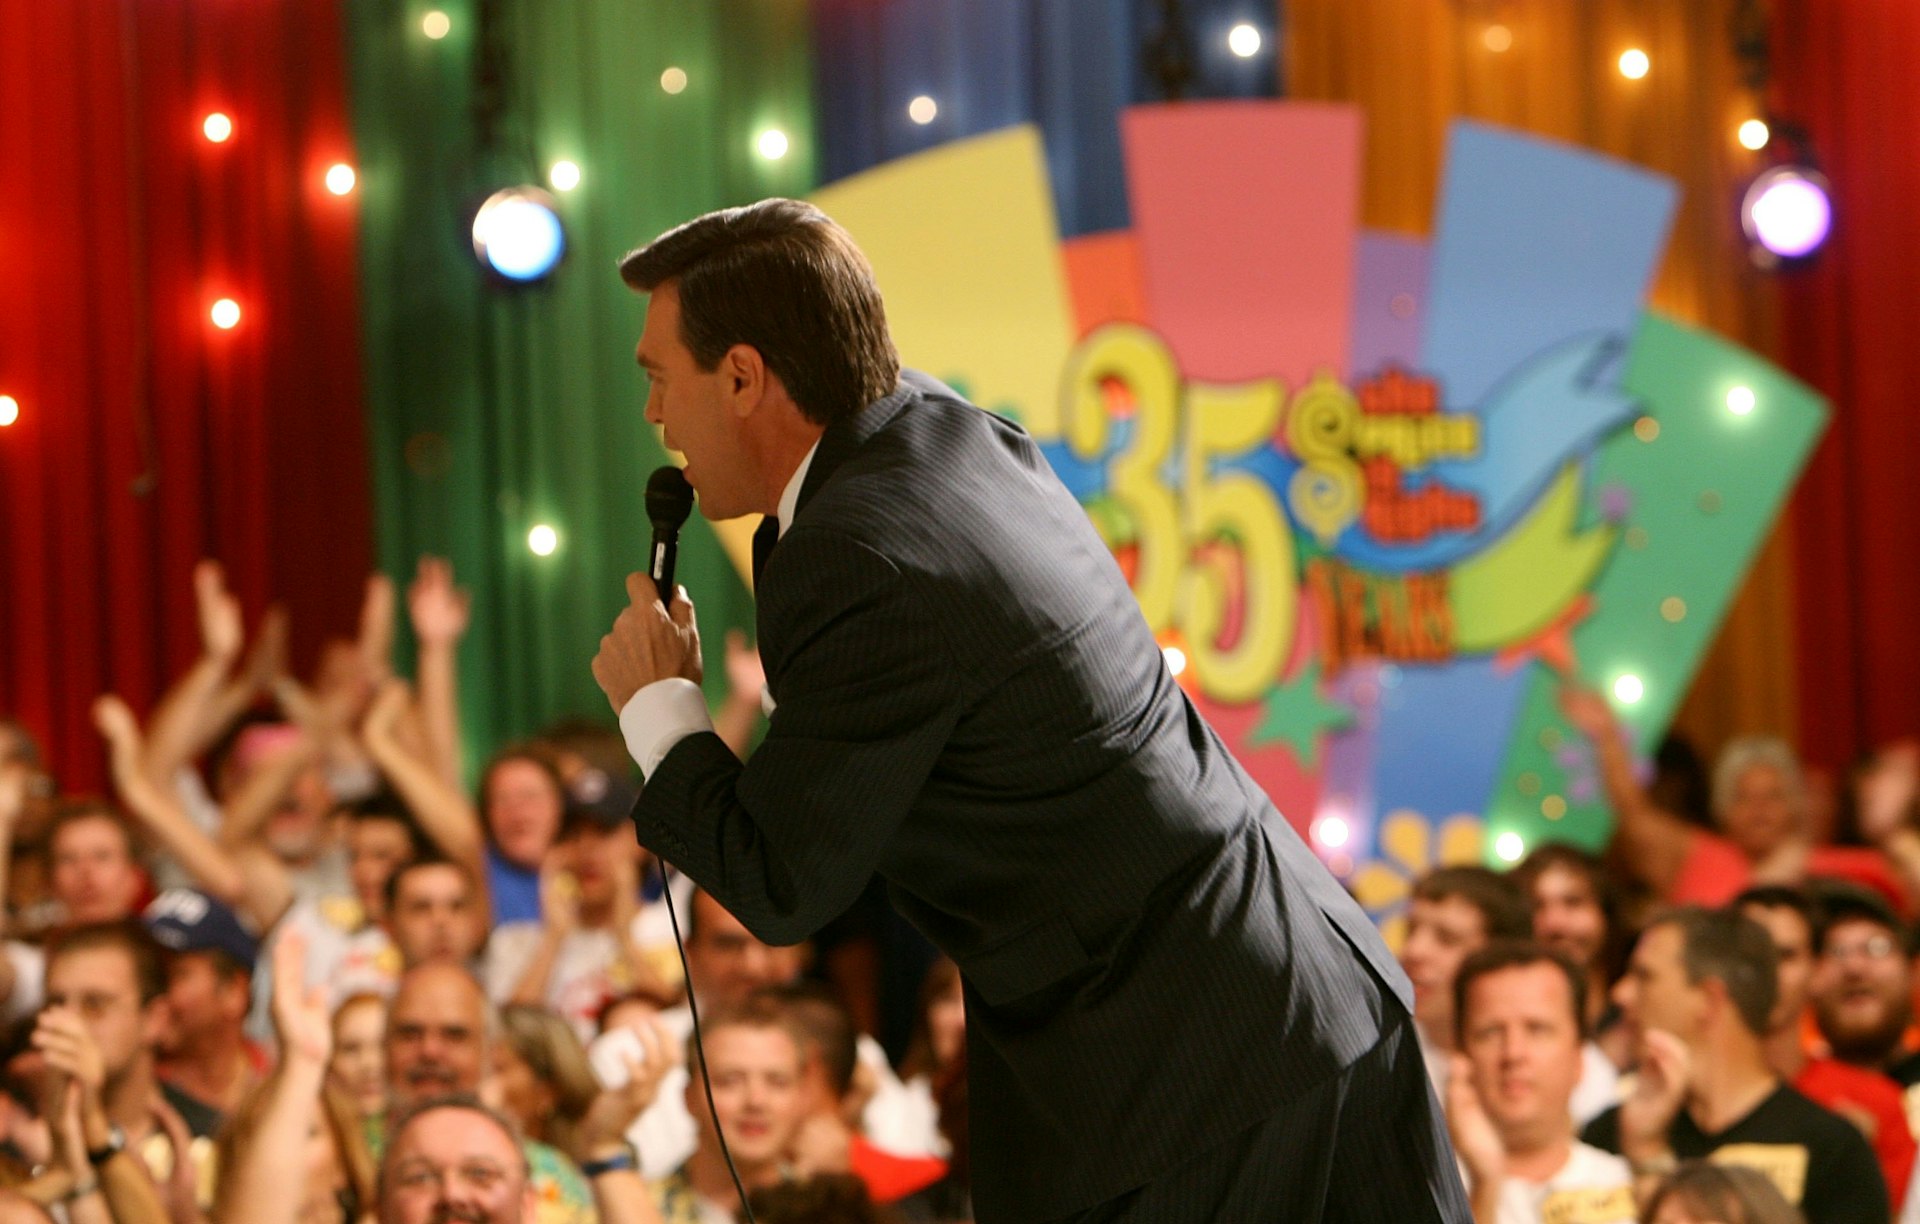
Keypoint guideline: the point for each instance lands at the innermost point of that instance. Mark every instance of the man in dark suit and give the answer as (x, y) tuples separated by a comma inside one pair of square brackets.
[(1174, 1012)]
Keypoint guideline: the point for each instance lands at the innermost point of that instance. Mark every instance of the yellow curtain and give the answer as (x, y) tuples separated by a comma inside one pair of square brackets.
[(1551, 67)]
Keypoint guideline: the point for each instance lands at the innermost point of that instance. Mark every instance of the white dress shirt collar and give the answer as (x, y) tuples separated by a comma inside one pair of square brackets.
[(790, 498)]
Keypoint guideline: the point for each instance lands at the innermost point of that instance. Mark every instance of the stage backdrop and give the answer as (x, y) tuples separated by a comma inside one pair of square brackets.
[(492, 411), (146, 437), (1372, 492)]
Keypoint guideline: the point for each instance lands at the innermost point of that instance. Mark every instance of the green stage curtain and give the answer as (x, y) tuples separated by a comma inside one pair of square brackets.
[(491, 411)]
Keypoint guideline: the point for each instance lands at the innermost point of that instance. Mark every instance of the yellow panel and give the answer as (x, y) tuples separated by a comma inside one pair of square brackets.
[(967, 250)]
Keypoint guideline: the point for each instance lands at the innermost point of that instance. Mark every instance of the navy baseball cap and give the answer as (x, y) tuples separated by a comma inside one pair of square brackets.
[(183, 920), (599, 799)]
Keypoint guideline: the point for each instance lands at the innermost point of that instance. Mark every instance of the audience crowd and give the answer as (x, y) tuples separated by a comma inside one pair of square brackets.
[(294, 970)]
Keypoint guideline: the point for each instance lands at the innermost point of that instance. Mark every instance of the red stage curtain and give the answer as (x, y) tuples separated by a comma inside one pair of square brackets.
[(147, 438), (1850, 70)]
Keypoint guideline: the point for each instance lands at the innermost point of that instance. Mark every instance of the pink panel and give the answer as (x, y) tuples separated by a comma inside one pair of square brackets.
[(1247, 215)]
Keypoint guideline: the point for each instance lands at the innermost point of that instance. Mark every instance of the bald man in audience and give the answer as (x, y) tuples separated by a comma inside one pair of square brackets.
[(440, 1029)]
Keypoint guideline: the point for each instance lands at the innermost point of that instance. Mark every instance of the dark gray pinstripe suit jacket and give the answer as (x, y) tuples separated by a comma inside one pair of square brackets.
[(970, 703)]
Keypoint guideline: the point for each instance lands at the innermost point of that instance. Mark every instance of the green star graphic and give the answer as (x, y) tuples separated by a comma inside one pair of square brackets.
[(1296, 714)]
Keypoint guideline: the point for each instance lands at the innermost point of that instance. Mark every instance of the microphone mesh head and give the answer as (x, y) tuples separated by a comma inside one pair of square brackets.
[(669, 497)]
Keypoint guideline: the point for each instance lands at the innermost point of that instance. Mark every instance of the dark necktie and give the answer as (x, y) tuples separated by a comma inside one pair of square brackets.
[(765, 536)]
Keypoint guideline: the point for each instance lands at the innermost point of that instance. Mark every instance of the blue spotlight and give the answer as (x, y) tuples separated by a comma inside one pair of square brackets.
[(517, 235)]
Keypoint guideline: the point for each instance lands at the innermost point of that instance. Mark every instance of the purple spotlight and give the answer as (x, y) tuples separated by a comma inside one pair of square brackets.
[(1786, 212)]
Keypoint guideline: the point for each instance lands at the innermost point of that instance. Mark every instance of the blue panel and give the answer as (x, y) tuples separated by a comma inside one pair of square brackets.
[(1069, 66), (1448, 728)]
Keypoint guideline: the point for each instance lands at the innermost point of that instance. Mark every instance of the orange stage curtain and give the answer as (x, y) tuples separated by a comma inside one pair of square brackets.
[(1414, 65)]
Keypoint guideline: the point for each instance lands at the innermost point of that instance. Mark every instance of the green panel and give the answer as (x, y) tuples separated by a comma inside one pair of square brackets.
[(491, 411), (1700, 494)]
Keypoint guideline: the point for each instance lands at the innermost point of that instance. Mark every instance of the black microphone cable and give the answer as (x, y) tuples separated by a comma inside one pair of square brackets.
[(669, 502)]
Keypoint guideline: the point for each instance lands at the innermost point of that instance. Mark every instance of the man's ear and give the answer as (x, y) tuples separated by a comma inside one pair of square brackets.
[(746, 373)]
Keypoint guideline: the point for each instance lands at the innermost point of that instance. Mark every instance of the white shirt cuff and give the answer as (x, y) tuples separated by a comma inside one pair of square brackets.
[(660, 716)]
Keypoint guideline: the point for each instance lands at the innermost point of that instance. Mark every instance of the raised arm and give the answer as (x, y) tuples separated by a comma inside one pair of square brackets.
[(439, 611), (1654, 840), (254, 1188), (203, 703), (445, 813), (254, 883)]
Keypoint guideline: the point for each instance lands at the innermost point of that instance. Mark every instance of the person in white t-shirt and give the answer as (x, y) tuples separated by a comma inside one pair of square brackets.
[(1520, 1012)]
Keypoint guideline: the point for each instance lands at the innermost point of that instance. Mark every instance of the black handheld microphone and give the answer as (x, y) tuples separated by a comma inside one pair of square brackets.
[(669, 501)]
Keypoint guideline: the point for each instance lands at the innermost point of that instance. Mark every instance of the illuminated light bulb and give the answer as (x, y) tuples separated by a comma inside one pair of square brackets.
[(435, 24), (217, 128), (1628, 689), (771, 144), (226, 314), (922, 110), (1634, 64), (1497, 38), (1787, 212), (1740, 400), (1754, 134), (543, 540), (564, 176), (1510, 847), (1244, 41), (9, 410), (1332, 832), (340, 178), (1176, 659), (673, 80)]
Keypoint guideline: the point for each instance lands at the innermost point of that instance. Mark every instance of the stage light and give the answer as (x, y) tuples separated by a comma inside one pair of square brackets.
[(435, 25), (1740, 401), (543, 540), (1497, 38), (340, 178), (1510, 847), (217, 128), (1786, 213), (517, 235), (1331, 832), (1244, 41), (1634, 64), (1628, 689), (1754, 134), (673, 80), (225, 314), (771, 144), (1176, 659), (564, 175), (922, 110), (9, 410)]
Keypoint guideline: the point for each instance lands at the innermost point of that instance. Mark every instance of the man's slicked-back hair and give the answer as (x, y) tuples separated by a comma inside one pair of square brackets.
[(782, 278)]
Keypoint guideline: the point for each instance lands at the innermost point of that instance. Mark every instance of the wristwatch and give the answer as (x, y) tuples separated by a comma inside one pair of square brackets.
[(627, 1161), (116, 1144)]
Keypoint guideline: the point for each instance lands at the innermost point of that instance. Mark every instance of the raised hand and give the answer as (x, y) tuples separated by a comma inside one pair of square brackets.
[(14, 779), (439, 610), (1887, 789), (614, 1111), (300, 1019), (376, 629), (1587, 710), (121, 730), (267, 661), (389, 706), (221, 634)]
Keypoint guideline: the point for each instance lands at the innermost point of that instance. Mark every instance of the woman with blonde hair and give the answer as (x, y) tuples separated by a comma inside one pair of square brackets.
[(541, 1077)]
